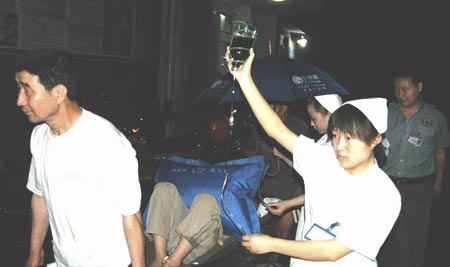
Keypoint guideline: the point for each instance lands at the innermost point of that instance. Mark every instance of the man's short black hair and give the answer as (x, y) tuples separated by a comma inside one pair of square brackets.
[(52, 66), (407, 71)]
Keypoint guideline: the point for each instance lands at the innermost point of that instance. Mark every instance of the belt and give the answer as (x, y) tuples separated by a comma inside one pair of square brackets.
[(415, 180)]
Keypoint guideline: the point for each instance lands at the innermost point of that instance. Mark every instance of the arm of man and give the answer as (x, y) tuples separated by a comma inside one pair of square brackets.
[(266, 116), (439, 155), (39, 228), (312, 250), (134, 235)]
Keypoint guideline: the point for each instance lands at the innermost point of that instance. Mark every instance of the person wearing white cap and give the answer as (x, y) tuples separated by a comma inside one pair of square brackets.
[(347, 221), (319, 109)]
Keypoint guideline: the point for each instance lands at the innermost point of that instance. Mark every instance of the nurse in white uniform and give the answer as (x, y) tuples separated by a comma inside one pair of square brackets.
[(353, 203), (319, 109)]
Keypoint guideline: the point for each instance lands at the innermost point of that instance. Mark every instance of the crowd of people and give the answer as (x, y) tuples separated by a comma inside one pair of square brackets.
[(356, 210)]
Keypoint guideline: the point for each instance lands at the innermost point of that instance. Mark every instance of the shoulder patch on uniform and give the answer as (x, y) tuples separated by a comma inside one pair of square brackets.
[(427, 122)]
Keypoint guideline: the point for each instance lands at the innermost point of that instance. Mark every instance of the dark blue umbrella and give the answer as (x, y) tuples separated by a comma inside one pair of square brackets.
[(212, 95), (285, 79)]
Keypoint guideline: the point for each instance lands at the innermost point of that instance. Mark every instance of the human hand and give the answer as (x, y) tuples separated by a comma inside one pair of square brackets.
[(35, 259), (437, 189), (257, 243), (279, 155), (277, 208), (243, 70)]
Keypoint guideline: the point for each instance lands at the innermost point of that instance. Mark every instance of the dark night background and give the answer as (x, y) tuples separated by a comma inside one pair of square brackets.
[(362, 41)]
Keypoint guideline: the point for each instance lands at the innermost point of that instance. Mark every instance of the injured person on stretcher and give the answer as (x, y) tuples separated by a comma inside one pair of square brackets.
[(177, 235)]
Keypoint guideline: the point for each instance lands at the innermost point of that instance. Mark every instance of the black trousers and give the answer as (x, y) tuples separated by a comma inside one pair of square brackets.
[(406, 244)]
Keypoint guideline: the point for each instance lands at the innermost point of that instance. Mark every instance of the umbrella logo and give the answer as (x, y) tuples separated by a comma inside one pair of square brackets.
[(308, 79), (286, 79), (308, 83), (297, 80)]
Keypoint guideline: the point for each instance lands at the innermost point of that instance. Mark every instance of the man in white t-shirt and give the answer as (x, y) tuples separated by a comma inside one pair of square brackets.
[(83, 173)]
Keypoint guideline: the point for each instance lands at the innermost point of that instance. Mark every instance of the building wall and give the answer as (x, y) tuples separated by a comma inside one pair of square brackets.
[(122, 90)]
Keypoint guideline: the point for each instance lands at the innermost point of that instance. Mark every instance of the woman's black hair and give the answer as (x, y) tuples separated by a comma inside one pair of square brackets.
[(317, 106), (352, 121)]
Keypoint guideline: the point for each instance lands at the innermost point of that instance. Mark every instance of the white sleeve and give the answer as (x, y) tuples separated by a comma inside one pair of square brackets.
[(34, 183), (121, 176), (372, 219)]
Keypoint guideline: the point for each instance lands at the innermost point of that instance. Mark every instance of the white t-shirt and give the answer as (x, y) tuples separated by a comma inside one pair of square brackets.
[(89, 178), (366, 206), (323, 140), (301, 220)]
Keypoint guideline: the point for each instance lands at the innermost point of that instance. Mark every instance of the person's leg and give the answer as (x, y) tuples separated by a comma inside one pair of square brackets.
[(160, 244), (388, 253), (286, 226), (200, 231), (166, 211), (414, 222), (407, 241), (176, 258)]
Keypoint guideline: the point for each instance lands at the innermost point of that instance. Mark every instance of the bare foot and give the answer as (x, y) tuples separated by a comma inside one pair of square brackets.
[(157, 263), (169, 263)]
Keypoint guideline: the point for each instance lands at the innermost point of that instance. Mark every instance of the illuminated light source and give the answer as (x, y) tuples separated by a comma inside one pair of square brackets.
[(135, 130), (278, 0), (302, 41)]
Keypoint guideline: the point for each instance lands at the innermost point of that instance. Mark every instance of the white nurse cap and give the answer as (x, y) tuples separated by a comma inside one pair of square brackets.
[(329, 102), (375, 110)]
